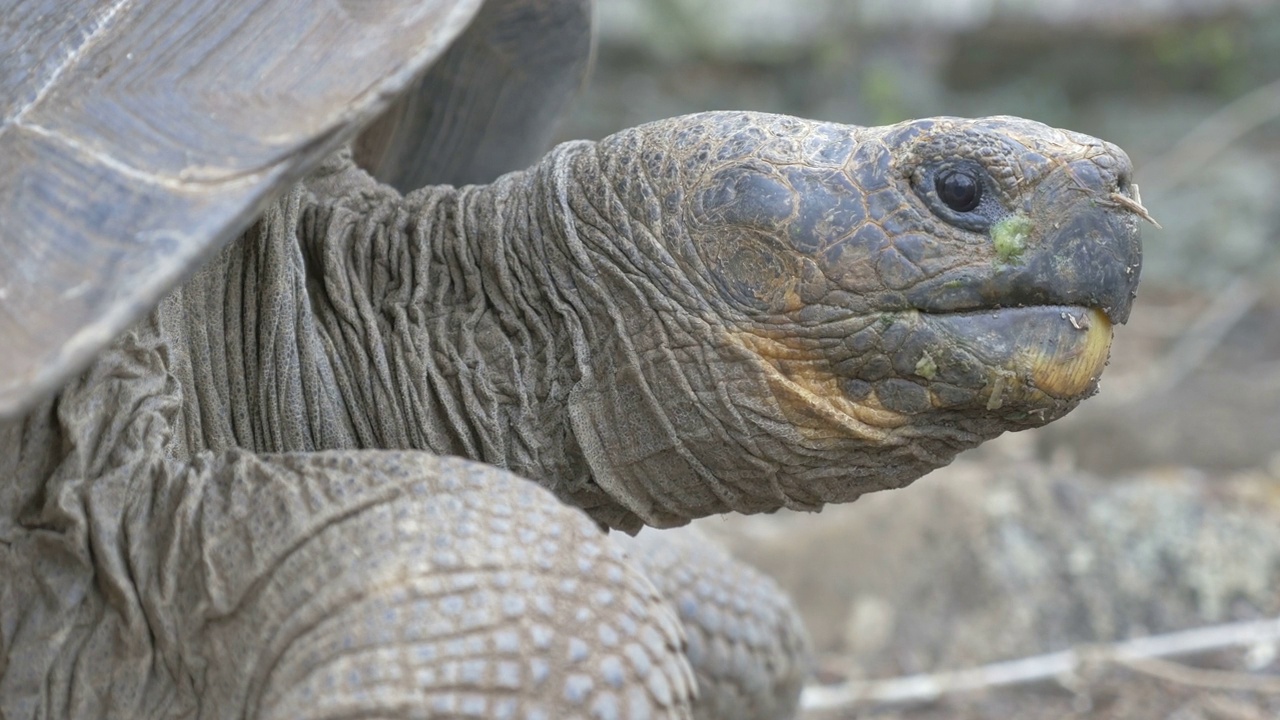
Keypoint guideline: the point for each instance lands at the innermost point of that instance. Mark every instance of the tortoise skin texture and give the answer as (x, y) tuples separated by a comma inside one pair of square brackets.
[(749, 651), (241, 508)]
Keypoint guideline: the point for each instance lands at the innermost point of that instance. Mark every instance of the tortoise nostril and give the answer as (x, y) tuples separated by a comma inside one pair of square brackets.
[(1123, 183)]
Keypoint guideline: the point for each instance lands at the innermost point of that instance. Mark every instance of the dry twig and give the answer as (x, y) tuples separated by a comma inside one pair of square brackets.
[(921, 688)]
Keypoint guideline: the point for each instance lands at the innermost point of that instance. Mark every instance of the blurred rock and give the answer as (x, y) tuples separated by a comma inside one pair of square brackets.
[(986, 561)]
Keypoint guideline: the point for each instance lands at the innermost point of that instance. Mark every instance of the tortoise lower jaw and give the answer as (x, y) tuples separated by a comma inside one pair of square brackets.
[(1028, 359), (1070, 366)]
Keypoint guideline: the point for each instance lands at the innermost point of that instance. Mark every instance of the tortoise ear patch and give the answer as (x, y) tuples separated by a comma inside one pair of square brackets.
[(754, 270), (743, 214), (765, 231)]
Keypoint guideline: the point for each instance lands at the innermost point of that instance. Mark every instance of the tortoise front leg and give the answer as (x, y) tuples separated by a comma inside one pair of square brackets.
[(390, 584), (747, 644)]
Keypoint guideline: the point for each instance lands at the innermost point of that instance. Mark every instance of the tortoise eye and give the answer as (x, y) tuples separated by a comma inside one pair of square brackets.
[(959, 190)]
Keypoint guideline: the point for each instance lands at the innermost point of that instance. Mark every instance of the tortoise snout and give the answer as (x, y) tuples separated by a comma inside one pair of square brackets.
[(1104, 169)]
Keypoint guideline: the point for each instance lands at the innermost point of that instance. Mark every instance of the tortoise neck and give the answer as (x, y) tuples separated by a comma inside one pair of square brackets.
[(512, 345), (452, 320), (577, 294), (647, 357)]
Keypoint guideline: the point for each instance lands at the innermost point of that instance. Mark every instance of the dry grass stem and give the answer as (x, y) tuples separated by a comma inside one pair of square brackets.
[(929, 687)]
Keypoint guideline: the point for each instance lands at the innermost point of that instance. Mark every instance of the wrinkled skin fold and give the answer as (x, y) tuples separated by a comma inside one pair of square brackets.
[(239, 509)]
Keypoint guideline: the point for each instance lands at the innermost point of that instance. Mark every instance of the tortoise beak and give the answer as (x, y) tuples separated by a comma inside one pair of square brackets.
[(1090, 252), (1038, 359)]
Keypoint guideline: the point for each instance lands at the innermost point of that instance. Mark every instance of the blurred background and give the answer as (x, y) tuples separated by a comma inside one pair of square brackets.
[(1153, 508)]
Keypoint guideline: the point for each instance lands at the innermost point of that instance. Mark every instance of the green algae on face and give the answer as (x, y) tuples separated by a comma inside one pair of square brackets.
[(1010, 235), (926, 367)]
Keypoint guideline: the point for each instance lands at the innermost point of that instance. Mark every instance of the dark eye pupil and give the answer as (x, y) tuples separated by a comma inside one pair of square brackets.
[(958, 189)]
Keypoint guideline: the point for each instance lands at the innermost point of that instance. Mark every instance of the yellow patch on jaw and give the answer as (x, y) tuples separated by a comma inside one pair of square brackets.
[(811, 397), (1068, 370), (1060, 355)]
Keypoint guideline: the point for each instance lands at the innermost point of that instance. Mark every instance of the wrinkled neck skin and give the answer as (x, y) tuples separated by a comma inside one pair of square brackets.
[(558, 323)]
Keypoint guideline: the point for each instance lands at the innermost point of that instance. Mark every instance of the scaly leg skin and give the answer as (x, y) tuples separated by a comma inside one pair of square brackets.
[(748, 647), (424, 586)]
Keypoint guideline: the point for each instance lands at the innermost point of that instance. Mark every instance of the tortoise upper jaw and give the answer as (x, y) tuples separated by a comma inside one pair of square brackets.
[(1080, 249), (1034, 360), (1093, 258)]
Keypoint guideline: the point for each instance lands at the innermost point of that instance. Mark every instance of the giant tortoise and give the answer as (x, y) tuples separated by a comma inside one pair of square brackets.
[(282, 441)]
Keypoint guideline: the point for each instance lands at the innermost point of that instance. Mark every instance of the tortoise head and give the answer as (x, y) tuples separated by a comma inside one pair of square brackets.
[(883, 297)]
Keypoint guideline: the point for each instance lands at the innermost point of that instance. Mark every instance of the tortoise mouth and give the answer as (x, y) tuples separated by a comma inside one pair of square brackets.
[(1026, 356)]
